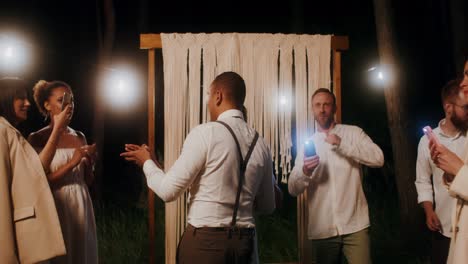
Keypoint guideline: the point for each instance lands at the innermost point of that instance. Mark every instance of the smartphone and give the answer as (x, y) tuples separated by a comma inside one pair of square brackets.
[(66, 100), (430, 135), (309, 148)]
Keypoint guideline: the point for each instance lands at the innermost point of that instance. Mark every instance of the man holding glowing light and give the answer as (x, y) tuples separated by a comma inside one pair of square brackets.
[(338, 217)]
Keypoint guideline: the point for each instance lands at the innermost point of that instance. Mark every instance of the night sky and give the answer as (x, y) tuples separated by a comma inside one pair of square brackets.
[(64, 39)]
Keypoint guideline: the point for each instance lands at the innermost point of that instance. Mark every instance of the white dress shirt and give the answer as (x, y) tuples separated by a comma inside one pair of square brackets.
[(336, 201), (429, 182), (209, 165)]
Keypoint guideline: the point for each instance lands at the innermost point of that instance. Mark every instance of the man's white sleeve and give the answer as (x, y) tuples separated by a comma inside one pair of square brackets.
[(180, 176), (362, 149), (424, 172), (298, 181)]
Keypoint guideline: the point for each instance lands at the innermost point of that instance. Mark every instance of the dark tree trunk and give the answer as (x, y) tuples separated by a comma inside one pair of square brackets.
[(411, 215), (106, 32)]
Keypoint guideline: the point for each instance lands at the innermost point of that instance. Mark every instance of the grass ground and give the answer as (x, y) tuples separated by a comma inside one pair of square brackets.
[(123, 231)]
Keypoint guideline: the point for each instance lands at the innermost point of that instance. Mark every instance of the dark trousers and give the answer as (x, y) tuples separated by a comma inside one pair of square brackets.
[(440, 248), (213, 245)]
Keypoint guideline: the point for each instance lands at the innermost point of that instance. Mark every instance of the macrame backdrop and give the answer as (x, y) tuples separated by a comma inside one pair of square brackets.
[(280, 71)]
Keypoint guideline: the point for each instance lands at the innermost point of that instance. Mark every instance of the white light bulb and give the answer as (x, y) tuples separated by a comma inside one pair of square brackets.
[(283, 100), (380, 76), (9, 52)]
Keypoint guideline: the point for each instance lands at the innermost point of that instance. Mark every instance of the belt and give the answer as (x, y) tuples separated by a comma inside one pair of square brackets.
[(224, 229)]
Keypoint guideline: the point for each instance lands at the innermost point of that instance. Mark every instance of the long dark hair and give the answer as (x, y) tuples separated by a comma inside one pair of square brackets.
[(10, 89)]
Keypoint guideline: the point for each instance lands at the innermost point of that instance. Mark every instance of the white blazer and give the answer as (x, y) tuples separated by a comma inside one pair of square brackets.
[(29, 225)]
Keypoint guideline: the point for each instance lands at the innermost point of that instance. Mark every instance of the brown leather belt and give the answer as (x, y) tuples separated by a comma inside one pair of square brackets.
[(225, 229)]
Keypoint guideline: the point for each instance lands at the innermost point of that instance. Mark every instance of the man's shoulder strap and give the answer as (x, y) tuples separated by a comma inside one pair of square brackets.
[(242, 167)]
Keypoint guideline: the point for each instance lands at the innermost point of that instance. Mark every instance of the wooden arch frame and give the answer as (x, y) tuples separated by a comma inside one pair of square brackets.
[(151, 42)]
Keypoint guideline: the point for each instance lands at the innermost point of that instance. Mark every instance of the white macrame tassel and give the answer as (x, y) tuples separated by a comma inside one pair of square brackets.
[(284, 103), (265, 61)]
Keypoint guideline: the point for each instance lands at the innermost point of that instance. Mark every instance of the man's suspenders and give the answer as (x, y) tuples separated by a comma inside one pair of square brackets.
[(242, 167)]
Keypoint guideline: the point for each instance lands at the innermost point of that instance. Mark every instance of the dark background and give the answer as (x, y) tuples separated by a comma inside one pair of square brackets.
[(64, 37)]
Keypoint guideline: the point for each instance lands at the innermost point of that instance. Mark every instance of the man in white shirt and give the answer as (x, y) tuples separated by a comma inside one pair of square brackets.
[(210, 167), (451, 133), (337, 208)]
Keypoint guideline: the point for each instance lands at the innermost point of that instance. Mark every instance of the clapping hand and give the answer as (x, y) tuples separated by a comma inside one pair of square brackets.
[(137, 154), (90, 152), (78, 155)]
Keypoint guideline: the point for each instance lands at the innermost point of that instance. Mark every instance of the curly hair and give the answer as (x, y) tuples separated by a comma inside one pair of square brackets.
[(42, 90)]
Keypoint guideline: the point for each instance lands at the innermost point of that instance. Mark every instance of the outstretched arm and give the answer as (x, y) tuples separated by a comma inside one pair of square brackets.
[(169, 186)]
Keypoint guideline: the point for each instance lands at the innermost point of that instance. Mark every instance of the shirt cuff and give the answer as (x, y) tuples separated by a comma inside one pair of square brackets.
[(305, 178), (425, 197)]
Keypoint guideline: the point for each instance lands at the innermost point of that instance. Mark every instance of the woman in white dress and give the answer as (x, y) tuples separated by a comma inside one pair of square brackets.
[(71, 171)]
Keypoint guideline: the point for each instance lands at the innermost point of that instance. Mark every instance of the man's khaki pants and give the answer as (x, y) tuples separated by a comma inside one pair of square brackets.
[(355, 247)]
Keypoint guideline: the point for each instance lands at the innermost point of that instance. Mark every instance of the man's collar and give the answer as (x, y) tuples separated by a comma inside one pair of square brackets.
[(231, 113), (442, 133), (332, 127)]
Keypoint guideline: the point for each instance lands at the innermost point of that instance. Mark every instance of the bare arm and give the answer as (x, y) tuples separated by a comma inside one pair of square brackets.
[(48, 152), (66, 168)]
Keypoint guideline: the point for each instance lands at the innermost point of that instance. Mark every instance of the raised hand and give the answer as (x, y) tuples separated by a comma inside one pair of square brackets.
[(136, 154), (62, 120), (310, 163), (333, 139), (91, 152), (445, 159)]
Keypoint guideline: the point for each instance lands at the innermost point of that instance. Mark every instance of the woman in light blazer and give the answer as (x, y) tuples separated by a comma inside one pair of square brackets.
[(456, 176), (29, 226)]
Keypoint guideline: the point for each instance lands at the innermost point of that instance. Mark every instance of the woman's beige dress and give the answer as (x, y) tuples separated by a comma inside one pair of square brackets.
[(75, 211)]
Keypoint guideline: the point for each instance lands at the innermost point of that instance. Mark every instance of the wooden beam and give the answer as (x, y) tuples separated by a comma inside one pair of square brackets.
[(339, 43), (337, 83), (150, 41), (153, 41), (151, 143)]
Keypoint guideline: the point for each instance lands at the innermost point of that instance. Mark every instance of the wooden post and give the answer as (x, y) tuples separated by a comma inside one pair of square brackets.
[(337, 83), (151, 143)]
